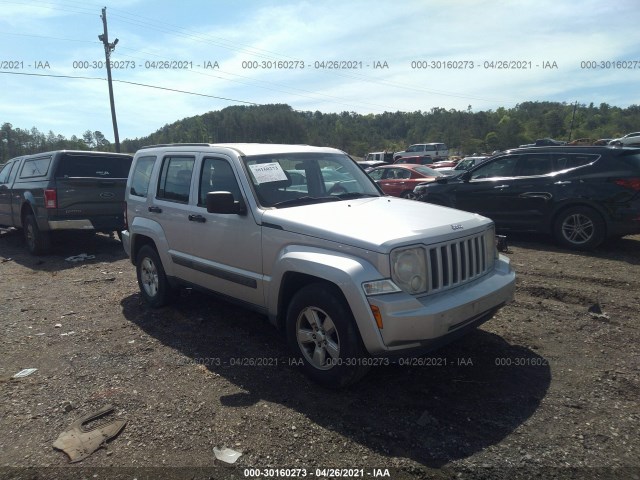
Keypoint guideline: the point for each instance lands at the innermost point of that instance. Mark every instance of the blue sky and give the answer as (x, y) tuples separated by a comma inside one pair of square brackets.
[(51, 37)]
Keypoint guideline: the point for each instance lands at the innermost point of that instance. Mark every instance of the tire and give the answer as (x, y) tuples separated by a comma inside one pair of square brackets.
[(579, 228), (152, 280), (409, 195), (38, 242), (321, 330)]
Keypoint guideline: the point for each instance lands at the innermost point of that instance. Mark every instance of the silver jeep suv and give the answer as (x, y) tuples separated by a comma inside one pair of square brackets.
[(304, 236)]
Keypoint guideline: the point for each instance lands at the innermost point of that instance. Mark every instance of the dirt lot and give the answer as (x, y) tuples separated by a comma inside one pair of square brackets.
[(545, 389)]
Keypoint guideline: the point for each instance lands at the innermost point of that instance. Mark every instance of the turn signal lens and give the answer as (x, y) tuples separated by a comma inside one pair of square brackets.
[(377, 315)]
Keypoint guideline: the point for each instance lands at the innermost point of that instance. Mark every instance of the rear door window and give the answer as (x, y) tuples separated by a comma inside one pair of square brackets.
[(175, 179), (93, 166), (534, 164)]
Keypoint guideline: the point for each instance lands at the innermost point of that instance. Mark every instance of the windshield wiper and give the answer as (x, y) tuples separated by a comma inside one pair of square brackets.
[(303, 200), (344, 196)]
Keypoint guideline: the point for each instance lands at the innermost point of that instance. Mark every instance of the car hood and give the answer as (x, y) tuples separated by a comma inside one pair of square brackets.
[(377, 224)]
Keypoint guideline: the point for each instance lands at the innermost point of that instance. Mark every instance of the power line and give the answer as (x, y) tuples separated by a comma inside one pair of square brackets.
[(48, 37), (76, 77), (184, 91), (161, 26)]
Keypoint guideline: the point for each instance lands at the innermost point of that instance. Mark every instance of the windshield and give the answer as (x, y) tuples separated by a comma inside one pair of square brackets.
[(427, 172), (289, 179), (467, 163)]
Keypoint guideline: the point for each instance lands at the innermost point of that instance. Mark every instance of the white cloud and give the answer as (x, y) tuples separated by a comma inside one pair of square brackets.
[(357, 31)]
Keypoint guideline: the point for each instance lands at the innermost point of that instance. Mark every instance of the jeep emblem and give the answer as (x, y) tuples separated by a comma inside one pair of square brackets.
[(457, 226)]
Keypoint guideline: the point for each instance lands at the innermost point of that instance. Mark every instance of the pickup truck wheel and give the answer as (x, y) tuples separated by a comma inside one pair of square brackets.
[(321, 329), (38, 242), (580, 228), (152, 280)]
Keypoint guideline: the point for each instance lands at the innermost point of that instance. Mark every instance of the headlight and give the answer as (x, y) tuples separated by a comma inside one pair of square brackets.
[(491, 249), (409, 270)]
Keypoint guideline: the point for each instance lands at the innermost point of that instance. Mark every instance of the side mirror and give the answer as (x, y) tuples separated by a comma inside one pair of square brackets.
[(223, 202), (466, 176)]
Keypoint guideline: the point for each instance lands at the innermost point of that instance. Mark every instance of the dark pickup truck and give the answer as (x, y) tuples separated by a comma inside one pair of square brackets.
[(63, 190)]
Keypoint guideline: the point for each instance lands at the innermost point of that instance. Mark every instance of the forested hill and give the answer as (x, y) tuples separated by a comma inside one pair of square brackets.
[(357, 134), (464, 131)]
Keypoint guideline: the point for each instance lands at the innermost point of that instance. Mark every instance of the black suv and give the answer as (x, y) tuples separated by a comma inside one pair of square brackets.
[(581, 195)]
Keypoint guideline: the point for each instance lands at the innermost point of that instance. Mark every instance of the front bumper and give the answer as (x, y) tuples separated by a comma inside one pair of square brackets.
[(424, 323)]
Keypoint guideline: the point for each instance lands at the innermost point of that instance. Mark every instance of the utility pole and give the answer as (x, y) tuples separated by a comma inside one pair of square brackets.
[(108, 48), (572, 118)]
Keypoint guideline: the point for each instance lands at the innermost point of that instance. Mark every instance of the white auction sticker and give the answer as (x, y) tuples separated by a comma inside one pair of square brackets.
[(268, 172)]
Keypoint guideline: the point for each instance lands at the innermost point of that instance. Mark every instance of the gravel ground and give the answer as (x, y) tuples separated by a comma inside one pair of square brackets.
[(546, 389)]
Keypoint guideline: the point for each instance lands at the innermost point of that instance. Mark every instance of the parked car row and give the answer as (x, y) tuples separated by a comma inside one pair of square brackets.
[(399, 180), (581, 195), (305, 236), (628, 140)]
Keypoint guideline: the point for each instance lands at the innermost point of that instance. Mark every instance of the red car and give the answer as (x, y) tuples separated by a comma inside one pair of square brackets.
[(399, 180), (417, 160)]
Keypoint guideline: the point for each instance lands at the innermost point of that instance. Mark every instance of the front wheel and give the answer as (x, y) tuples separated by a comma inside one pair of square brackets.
[(152, 280), (321, 329), (38, 242), (580, 228)]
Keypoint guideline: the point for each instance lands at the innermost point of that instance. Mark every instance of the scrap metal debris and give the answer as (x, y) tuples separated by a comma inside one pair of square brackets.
[(501, 243), (79, 442), (226, 455), (595, 311), (25, 372), (80, 258)]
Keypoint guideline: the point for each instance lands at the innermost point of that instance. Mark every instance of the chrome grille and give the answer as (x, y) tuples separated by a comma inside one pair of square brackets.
[(454, 263)]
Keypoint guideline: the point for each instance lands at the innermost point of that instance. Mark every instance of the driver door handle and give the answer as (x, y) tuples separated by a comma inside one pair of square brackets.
[(197, 218)]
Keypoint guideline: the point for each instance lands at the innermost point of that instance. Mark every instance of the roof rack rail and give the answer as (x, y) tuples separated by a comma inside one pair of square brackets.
[(176, 145)]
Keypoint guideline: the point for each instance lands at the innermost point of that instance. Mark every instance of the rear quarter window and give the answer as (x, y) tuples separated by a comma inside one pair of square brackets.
[(93, 166), (574, 160), (632, 161), (141, 176)]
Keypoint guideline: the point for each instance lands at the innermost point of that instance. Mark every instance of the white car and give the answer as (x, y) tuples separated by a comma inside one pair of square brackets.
[(627, 140)]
